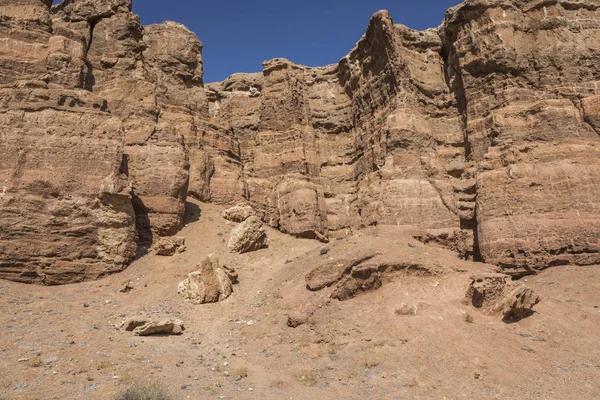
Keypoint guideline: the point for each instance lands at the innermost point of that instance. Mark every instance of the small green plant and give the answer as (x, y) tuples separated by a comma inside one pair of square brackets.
[(145, 391), (469, 318)]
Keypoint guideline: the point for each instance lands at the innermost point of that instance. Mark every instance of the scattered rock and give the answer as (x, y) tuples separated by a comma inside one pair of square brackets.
[(497, 293), (406, 309), (300, 316), (321, 238), (145, 327), (519, 303), (210, 284), (239, 213), (169, 246), (231, 273), (126, 288), (250, 235)]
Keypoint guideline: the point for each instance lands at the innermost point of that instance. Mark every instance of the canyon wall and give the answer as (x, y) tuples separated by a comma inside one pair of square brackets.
[(483, 133)]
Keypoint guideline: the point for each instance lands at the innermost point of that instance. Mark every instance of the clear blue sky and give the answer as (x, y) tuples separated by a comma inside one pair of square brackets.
[(238, 35)]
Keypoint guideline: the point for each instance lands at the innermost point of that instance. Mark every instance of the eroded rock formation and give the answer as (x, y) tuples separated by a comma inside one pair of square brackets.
[(486, 129)]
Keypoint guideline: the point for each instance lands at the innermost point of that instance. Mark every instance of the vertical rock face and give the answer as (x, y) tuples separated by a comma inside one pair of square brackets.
[(529, 79), (489, 125), (65, 214), (374, 139), (99, 118)]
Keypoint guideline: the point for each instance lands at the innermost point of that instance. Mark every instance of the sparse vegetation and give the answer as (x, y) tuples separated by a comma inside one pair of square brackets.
[(103, 364), (307, 378), (370, 364), (239, 373), (34, 362), (469, 318), (145, 391), (529, 349)]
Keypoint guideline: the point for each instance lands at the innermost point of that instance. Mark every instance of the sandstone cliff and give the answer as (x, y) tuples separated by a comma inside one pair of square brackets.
[(486, 130)]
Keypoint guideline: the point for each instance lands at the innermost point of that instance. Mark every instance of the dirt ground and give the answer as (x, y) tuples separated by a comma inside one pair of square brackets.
[(64, 342)]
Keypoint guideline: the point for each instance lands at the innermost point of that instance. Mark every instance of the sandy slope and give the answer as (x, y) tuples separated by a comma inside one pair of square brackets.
[(242, 348)]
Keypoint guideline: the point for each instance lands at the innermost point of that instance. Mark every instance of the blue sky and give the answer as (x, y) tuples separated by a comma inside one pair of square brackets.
[(238, 35)]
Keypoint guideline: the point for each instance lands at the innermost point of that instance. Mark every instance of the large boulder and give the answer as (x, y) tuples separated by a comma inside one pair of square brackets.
[(250, 235), (239, 213), (209, 284), (499, 294)]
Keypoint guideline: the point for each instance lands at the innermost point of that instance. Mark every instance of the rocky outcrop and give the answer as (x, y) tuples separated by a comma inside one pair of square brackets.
[(65, 210), (498, 294), (99, 119), (250, 235), (348, 268), (484, 133), (527, 79), (209, 284)]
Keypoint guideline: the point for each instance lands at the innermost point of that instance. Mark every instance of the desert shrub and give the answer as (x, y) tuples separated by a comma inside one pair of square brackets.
[(145, 391)]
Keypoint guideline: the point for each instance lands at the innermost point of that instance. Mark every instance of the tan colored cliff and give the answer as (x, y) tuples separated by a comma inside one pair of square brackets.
[(486, 130)]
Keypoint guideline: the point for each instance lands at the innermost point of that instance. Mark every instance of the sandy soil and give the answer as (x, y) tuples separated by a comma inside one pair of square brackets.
[(63, 342)]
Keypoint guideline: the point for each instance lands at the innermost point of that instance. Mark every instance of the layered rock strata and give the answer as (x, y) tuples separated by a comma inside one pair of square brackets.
[(486, 129)]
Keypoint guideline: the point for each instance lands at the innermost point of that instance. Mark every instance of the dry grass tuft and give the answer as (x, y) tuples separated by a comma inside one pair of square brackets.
[(145, 391)]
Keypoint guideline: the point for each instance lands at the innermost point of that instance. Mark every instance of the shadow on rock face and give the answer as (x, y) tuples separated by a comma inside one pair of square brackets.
[(511, 319), (192, 213), (142, 226)]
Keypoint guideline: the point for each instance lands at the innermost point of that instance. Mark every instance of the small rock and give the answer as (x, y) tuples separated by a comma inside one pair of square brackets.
[(169, 246), (321, 238), (300, 316), (126, 288), (406, 309)]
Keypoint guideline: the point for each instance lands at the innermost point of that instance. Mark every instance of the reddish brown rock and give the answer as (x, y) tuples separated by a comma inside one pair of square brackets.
[(526, 75), (487, 127)]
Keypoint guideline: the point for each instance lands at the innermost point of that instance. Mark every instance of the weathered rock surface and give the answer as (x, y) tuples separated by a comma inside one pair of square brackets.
[(145, 327), (358, 265), (99, 118), (497, 293), (487, 128), (169, 246), (526, 75), (250, 235), (209, 284), (239, 213)]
